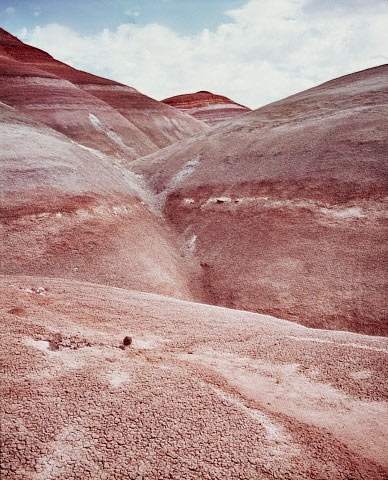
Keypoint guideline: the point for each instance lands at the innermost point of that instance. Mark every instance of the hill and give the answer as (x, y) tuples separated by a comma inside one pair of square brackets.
[(72, 212), (96, 112), (286, 206), (206, 106)]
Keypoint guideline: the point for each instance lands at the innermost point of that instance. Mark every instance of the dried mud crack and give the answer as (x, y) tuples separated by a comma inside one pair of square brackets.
[(179, 403)]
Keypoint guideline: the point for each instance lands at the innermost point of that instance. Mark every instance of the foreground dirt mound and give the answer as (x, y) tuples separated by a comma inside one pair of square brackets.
[(202, 393), (207, 107), (286, 206), (96, 112), (71, 212)]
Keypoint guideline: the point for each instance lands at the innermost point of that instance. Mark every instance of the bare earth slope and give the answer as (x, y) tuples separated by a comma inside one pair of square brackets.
[(67, 211), (94, 111), (286, 206), (207, 107), (62, 106), (203, 392)]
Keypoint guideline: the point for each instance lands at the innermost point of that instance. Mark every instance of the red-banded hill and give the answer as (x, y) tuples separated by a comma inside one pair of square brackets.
[(286, 206), (207, 107), (96, 112)]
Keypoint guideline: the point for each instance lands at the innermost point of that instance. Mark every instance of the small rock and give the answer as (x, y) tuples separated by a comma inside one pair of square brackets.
[(127, 341), (19, 311), (53, 346)]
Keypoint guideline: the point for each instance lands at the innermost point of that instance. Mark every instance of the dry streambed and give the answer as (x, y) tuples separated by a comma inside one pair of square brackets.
[(202, 392)]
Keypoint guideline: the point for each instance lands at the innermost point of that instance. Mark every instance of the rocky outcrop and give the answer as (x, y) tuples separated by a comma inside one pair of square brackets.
[(207, 107), (96, 112), (69, 211), (286, 206)]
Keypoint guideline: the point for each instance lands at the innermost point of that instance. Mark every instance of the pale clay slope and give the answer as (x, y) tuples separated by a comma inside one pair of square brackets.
[(78, 214), (203, 392)]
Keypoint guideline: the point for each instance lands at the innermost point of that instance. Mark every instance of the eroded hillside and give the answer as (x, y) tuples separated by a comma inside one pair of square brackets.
[(94, 111), (68, 212), (286, 206)]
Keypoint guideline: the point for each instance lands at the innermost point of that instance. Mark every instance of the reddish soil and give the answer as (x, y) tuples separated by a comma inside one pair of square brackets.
[(285, 207), (202, 392), (207, 107)]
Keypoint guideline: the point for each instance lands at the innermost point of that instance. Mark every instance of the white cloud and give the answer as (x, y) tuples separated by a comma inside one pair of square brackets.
[(268, 50), (132, 13), (10, 10), (22, 33)]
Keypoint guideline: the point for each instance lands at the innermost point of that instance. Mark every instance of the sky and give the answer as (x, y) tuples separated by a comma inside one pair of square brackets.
[(252, 51)]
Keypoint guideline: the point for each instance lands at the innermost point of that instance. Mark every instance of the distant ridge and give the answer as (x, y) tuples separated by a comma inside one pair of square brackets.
[(208, 107)]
